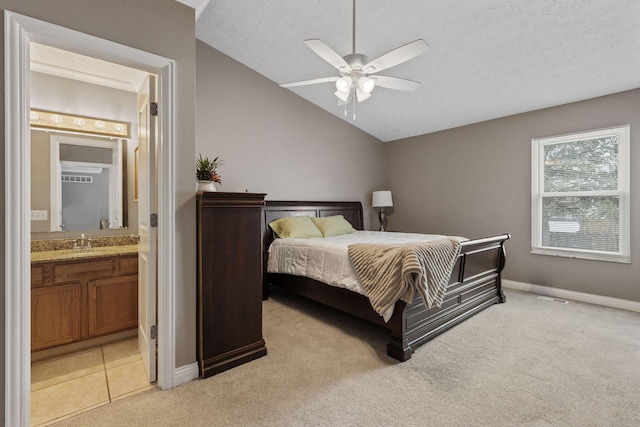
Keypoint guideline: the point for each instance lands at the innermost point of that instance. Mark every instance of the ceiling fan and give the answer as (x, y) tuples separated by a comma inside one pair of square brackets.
[(358, 74)]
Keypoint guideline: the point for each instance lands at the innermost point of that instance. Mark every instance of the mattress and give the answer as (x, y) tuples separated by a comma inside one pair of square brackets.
[(326, 259)]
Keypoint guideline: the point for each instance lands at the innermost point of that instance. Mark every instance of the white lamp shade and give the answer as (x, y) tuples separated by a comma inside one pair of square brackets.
[(382, 199), (366, 84), (343, 84)]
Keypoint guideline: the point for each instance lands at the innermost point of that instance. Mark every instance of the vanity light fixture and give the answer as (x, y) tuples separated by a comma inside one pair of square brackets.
[(56, 119), (41, 119)]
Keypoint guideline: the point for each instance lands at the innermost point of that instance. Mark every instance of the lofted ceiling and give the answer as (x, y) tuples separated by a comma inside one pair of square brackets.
[(488, 59)]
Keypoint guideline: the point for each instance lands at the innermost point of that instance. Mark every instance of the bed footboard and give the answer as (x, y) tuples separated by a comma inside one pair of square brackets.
[(475, 284)]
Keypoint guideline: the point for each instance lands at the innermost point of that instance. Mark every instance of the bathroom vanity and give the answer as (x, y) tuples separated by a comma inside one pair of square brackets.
[(81, 294)]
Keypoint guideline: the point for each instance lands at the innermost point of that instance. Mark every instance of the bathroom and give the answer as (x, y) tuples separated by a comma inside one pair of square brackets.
[(84, 233)]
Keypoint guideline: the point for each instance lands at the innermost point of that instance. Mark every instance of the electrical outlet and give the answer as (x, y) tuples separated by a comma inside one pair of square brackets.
[(38, 215)]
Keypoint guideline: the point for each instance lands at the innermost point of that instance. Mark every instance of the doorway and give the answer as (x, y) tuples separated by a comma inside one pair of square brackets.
[(20, 32)]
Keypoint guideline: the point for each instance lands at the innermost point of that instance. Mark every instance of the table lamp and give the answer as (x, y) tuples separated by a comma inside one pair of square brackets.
[(382, 199)]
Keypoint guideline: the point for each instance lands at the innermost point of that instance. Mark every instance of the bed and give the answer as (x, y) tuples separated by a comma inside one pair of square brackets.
[(474, 284)]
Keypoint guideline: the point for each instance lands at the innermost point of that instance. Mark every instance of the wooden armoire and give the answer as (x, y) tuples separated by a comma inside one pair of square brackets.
[(229, 300)]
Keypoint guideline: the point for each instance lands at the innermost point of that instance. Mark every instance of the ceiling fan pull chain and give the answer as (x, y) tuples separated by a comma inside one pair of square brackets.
[(354, 106)]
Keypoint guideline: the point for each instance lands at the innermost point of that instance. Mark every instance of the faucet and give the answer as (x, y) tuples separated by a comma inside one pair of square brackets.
[(82, 243)]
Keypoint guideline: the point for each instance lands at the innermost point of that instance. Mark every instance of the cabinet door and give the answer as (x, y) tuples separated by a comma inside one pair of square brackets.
[(55, 315), (113, 305)]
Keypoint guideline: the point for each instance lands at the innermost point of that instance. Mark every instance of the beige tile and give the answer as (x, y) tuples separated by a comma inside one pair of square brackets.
[(149, 387), (61, 369), (66, 398), (127, 378), (121, 353)]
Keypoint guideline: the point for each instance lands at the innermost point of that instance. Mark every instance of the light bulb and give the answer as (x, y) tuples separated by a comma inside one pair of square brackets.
[(366, 84), (343, 84)]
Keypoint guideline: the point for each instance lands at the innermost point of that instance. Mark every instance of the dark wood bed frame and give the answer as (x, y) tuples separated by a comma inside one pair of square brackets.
[(474, 285)]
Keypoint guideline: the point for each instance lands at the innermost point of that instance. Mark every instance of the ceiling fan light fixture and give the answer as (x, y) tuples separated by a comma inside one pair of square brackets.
[(342, 96), (343, 84), (362, 95), (366, 84)]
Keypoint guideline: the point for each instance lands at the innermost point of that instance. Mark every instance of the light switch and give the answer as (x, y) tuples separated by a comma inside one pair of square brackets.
[(38, 215)]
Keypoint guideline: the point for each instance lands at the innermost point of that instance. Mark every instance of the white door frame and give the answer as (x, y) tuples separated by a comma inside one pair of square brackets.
[(20, 30)]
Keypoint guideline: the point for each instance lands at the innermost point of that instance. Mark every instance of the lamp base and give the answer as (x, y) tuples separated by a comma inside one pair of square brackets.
[(382, 218)]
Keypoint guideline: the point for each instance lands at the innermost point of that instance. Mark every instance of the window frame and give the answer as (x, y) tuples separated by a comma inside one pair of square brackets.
[(623, 192)]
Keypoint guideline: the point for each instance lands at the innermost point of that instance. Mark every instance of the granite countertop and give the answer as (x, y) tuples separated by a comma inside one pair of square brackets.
[(79, 254)]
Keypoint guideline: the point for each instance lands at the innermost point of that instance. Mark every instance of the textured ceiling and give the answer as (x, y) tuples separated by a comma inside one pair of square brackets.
[(488, 59)]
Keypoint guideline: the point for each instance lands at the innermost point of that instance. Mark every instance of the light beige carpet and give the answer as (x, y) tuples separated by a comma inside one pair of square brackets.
[(527, 362)]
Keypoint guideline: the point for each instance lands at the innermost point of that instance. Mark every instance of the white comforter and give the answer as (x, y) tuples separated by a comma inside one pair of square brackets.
[(327, 260)]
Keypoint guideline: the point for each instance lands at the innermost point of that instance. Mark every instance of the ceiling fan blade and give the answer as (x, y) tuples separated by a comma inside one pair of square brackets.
[(396, 56), (310, 82), (395, 83), (328, 54)]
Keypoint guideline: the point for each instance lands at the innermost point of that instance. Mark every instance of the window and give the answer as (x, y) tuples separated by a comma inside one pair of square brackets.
[(580, 195)]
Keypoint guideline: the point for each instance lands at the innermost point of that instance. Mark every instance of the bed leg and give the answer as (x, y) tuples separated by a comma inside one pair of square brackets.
[(398, 346), (501, 263), (502, 298), (399, 349)]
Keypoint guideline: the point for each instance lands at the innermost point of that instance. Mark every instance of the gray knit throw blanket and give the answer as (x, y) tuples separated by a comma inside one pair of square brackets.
[(392, 272)]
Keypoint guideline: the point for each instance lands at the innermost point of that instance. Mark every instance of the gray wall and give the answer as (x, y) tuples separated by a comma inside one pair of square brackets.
[(277, 143), (40, 179), (476, 181), (166, 28)]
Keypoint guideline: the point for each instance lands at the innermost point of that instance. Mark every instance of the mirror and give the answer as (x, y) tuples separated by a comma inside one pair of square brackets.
[(78, 182)]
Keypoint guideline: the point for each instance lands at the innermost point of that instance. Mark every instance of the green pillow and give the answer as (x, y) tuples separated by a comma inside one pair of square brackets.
[(333, 225), (295, 227)]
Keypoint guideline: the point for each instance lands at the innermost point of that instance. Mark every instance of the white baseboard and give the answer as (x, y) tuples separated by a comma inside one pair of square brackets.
[(185, 373), (573, 295)]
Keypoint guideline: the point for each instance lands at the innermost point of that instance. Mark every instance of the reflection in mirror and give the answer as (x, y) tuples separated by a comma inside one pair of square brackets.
[(88, 190), (86, 182)]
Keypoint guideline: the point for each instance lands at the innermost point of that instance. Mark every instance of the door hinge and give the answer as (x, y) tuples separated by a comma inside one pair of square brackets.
[(153, 220), (154, 108), (153, 334)]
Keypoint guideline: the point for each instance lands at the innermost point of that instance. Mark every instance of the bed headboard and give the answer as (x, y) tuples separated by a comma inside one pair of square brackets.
[(352, 212)]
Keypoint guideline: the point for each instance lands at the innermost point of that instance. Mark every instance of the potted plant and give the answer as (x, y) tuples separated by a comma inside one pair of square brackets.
[(206, 174)]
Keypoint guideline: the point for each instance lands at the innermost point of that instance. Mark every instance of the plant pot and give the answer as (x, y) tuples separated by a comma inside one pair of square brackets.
[(206, 186)]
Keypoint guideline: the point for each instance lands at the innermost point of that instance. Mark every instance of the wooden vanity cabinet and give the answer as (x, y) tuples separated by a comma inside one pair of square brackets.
[(113, 305), (229, 299), (56, 313), (80, 299)]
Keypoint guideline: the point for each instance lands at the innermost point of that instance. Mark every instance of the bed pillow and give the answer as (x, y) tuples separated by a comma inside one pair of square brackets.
[(295, 227), (333, 225)]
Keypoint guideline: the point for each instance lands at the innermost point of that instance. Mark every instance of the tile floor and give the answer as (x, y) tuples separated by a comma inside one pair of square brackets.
[(71, 384)]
